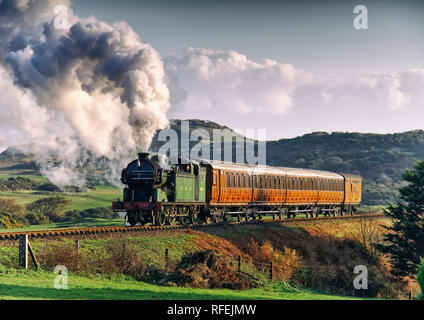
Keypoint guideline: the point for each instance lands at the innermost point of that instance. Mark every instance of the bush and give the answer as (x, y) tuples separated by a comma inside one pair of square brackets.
[(37, 218), (18, 183), (12, 215), (47, 187), (51, 207), (208, 269), (102, 213), (285, 264), (420, 279), (114, 259)]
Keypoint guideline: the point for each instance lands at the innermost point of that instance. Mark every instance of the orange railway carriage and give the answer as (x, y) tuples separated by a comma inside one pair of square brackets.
[(237, 188)]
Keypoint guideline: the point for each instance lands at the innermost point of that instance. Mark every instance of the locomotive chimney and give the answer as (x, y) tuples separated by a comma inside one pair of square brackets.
[(142, 155)]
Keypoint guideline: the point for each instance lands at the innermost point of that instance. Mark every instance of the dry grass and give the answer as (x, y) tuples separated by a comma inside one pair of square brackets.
[(285, 263)]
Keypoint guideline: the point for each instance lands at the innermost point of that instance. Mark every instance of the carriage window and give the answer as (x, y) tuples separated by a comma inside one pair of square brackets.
[(214, 178), (227, 181)]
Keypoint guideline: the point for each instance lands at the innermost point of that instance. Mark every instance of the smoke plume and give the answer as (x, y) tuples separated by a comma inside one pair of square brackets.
[(76, 89)]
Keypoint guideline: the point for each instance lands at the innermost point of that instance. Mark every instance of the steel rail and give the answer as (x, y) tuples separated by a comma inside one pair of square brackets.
[(69, 232)]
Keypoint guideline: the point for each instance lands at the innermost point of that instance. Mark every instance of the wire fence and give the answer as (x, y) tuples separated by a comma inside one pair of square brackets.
[(167, 259)]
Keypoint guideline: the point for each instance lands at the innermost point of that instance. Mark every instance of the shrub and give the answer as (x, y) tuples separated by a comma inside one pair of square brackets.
[(420, 279), (51, 207), (18, 183), (208, 269), (102, 213), (12, 215), (47, 187), (285, 263), (37, 218)]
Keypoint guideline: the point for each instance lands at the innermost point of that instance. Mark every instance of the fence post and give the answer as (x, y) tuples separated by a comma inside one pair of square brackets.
[(270, 271), (239, 263), (166, 257), (45, 250), (23, 251)]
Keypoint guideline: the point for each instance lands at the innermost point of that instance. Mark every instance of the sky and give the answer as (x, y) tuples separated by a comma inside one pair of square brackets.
[(289, 67)]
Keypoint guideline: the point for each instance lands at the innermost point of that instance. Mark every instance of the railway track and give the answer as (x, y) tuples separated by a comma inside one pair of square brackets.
[(69, 232)]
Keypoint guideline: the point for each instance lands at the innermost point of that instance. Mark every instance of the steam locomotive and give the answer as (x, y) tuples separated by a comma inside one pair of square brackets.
[(202, 191)]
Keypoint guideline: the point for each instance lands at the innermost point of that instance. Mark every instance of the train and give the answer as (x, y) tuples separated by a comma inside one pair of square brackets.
[(204, 191)]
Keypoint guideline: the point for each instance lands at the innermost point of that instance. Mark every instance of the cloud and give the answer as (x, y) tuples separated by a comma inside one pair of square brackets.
[(227, 81), (205, 79)]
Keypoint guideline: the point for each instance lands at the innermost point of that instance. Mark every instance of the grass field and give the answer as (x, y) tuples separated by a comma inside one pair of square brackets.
[(83, 222), (102, 196), (39, 285)]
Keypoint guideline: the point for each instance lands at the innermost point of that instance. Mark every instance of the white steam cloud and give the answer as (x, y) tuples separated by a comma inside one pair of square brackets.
[(88, 91)]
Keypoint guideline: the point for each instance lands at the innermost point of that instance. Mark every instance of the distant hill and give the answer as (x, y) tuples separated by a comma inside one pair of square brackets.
[(379, 158)]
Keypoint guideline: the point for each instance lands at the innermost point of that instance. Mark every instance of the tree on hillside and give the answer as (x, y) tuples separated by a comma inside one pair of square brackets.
[(404, 241)]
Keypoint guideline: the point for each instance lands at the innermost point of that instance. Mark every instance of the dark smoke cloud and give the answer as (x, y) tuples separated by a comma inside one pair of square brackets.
[(98, 81)]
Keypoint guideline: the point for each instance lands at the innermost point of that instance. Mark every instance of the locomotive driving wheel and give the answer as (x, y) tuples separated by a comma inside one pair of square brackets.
[(159, 218)]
